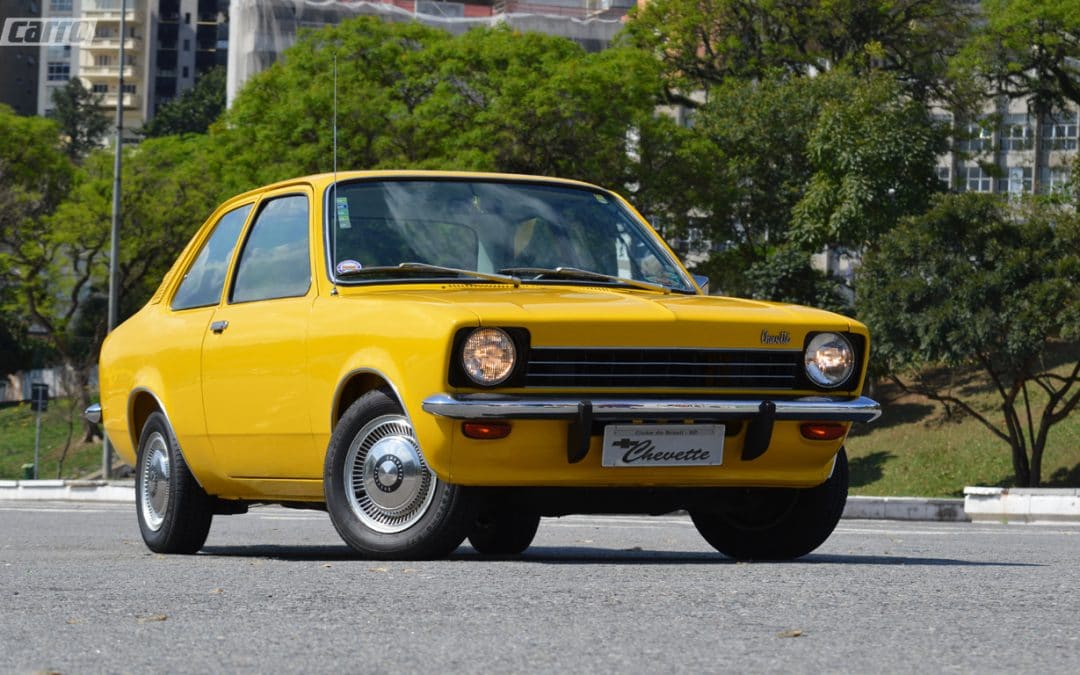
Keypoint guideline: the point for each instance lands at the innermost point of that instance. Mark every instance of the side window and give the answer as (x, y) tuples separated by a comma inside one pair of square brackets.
[(205, 278), (275, 262)]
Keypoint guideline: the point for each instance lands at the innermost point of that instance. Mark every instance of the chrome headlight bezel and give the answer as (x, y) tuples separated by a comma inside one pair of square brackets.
[(830, 360), (488, 356)]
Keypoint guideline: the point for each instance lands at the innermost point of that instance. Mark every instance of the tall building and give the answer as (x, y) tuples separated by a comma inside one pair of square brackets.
[(187, 42), (168, 44), (1011, 150), (98, 63), (19, 73)]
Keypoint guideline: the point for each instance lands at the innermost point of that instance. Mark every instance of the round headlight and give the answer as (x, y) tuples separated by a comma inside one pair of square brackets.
[(829, 360), (488, 356)]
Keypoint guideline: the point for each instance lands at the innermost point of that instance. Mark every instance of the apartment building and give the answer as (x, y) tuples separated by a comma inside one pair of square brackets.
[(1011, 150), (167, 45)]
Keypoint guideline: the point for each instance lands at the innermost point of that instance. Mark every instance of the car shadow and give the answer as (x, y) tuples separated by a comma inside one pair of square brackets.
[(576, 555)]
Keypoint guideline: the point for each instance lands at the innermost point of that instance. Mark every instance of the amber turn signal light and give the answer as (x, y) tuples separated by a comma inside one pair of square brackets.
[(823, 431), (485, 430)]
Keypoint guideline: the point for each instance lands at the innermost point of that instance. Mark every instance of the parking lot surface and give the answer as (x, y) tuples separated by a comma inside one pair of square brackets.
[(276, 591)]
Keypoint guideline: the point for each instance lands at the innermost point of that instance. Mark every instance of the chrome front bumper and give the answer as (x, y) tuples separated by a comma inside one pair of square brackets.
[(493, 406), (583, 413)]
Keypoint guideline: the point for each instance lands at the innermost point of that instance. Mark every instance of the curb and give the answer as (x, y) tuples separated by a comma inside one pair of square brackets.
[(906, 508), (122, 491), (1022, 505)]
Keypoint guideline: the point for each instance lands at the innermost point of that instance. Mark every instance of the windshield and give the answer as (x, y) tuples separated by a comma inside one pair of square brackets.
[(541, 233)]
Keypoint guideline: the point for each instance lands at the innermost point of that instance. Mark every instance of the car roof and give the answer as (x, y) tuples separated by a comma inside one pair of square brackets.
[(321, 180)]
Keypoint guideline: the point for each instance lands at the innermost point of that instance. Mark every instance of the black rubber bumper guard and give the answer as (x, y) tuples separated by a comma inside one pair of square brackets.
[(758, 432)]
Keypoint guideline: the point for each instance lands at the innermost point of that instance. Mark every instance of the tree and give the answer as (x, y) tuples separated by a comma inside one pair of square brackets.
[(786, 275), (830, 160), (193, 111), (745, 169), (977, 283), (1026, 49), (705, 43), (873, 155), (78, 110), (58, 274)]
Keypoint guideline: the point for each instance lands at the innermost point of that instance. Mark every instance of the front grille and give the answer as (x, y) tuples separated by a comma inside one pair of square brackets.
[(661, 368)]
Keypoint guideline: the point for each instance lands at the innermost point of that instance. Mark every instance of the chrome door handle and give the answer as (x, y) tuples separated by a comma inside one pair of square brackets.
[(219, 327)]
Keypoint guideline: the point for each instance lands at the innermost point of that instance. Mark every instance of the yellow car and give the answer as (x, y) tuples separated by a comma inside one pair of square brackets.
[(431, 357)]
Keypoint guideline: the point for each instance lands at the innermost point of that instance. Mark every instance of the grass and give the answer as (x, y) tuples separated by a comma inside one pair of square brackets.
[(17, 429), (914, 449)]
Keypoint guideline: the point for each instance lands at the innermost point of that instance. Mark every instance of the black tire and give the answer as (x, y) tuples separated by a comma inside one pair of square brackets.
[(173, 510), (499, 531), (383, 499), (776, 524)]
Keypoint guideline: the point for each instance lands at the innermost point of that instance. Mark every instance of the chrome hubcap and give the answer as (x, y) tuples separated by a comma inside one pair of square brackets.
[(154, 481), (388, 483)]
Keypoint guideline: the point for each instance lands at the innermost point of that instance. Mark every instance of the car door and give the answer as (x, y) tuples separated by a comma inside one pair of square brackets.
[(181, 328), (254, 366)]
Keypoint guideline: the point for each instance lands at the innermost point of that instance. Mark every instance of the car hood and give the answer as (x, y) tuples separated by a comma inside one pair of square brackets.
[(589, 316)]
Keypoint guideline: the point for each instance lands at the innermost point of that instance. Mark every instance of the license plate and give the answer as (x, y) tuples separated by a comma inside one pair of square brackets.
[(663, 445)]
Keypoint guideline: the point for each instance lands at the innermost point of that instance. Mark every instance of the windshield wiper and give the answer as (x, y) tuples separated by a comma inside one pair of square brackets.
[(575, 273), (420, 267)]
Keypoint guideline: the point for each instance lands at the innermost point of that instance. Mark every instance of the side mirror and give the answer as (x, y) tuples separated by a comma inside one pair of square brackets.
[(703, 282)]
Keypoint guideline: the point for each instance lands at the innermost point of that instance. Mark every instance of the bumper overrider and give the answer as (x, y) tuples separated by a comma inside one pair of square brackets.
[(582, 413)]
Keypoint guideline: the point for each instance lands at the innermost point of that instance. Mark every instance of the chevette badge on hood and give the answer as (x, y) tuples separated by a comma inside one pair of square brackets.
[(781, 338)]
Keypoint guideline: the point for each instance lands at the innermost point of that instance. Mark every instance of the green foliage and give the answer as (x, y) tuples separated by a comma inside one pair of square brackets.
[(786, 275), (34, 176), (193, 111), (62, 455), (831, 160), (56, 262), (15, 353), (974, 283), (411, 96), (703, 44), (82, 123), (918, 448), (1026, 49), (873, 155)]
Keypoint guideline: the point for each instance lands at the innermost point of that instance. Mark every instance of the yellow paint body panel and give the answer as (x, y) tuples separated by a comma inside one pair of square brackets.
[(253, 408)]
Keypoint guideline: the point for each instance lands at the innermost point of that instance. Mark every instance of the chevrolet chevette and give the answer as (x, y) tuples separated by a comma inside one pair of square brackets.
[(433, 357)]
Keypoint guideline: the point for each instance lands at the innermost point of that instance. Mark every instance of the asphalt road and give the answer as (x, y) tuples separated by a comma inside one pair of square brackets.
[(276, 591)]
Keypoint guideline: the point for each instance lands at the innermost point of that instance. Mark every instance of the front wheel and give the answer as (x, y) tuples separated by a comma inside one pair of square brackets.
[(776, 524), (382, 497), (174, 511)]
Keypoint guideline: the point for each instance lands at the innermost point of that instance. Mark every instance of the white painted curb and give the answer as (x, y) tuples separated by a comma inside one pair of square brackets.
[(1022, 505), (905, 508), (67, 490)]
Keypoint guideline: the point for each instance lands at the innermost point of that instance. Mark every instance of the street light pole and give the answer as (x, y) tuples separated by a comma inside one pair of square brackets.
[(114, 241)]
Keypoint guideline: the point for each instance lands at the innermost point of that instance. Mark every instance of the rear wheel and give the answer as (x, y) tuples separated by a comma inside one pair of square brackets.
[(503, 532), (382, 497), (174, 512), (776, 524)]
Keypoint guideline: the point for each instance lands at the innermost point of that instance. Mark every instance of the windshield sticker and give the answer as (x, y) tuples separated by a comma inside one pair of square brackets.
[(600, 198), (343, 213), (347, 266)]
